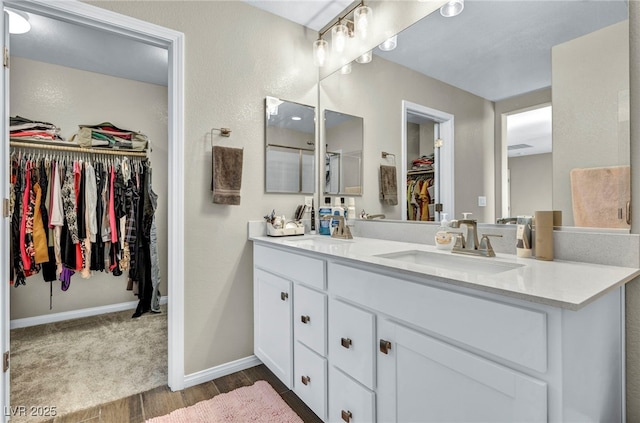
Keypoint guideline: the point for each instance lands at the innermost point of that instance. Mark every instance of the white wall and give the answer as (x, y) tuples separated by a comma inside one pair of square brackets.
[(590, 77), (68, 97), (235, 56), (531, 183)]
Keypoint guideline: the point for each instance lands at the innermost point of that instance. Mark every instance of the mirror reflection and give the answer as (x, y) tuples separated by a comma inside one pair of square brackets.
[(290, 147), (486, 67), (343, 136)]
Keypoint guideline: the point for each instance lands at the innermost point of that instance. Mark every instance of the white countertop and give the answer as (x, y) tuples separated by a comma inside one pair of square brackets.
[(564, 284)]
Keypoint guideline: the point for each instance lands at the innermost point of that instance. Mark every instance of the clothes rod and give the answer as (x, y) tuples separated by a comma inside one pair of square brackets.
[(78, 149)]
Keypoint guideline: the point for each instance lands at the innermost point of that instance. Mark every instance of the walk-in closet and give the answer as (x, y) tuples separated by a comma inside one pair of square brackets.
[(89, 313)]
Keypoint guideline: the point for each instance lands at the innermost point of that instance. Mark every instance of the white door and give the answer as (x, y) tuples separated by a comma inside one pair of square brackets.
[(273, 332), (4, 225), (426, 380)]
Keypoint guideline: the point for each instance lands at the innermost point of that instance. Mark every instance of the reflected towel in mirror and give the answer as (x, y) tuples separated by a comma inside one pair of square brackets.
[(598, 194), (227, 175), (388, 185)]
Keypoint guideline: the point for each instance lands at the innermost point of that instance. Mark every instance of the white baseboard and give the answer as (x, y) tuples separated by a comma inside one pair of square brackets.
[(76, 314), (219, 371)]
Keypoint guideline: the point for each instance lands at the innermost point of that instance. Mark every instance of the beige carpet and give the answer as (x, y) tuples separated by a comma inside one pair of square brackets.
[(85, 362), (257, 403)]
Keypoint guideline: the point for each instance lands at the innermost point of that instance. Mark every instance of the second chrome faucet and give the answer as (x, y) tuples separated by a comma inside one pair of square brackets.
[(467, 240)]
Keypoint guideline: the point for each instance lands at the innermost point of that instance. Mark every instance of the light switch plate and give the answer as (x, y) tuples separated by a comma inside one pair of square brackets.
[(307, 202), (482, 201)]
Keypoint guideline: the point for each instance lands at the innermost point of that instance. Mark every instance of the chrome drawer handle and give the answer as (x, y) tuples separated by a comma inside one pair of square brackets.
[(305, 319), (346, 342), (306, 380), (284, 296), (346, 415)]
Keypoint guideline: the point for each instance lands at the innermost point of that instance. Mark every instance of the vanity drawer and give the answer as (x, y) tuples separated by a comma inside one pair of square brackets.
[(296, 267), (508, 331), (310, 318), (351, 341), (310, 380), (348, 400)]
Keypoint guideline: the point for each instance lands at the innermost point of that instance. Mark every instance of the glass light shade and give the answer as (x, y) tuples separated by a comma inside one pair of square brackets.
[(453, 8), (320, 48), (339, 35), (389, 44), (346, 69), (365, 58), (18, 22), (361, 21)]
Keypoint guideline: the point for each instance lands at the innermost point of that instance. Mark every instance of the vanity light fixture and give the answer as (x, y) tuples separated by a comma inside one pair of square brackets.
[(346, 69), (365, 58), (389, 44), (341, 31), (453, 8), (18, 22)]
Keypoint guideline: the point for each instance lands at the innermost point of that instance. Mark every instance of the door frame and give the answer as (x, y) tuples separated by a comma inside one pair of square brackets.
[(444, 168), (135, 29)]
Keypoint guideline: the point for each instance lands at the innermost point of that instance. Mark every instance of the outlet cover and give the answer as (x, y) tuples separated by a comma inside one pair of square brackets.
[(482, 201), (307, 202)]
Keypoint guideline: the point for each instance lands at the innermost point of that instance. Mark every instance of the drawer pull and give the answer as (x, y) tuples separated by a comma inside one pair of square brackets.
[(284, 296), (306, 380), (305, 319), (346, 416), (385, 346), (345, 342)]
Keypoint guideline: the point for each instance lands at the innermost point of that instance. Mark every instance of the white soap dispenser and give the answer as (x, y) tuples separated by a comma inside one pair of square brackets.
[(444, 239)]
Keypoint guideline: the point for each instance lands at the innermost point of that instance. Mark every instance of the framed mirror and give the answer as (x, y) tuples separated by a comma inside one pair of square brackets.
[(494, 60), (289, 147), (343, 137)]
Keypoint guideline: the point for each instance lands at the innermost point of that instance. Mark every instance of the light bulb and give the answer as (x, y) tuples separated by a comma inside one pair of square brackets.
[(346, 69), (339, 34), (453, 8), (320, 52), (389, 44), (361, 21), (365, 58)]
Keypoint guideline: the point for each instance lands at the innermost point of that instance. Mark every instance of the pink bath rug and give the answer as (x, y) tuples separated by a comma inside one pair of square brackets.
[(258, 403)]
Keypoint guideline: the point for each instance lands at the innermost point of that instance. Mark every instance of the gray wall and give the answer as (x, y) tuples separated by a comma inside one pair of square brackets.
[(531, 183), (590, 78)]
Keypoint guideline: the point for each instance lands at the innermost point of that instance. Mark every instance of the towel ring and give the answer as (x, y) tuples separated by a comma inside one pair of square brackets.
[(385, 154), (225, 132)]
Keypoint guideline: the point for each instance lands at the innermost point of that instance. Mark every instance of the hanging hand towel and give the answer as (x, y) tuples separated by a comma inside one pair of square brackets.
[(227, 175), (388, 185)]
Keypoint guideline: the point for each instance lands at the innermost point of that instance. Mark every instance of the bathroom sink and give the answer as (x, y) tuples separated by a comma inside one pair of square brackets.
[(480, 265)]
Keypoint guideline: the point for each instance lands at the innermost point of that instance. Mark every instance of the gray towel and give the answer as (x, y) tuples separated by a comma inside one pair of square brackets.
[(227, 175), (388, 185)]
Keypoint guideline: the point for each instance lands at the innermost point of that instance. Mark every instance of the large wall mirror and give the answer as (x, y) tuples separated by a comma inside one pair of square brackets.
[(565, 64), (290, 147), (343, 137)]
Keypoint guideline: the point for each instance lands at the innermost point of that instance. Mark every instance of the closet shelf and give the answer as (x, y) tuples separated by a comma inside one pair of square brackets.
[(78, 149)]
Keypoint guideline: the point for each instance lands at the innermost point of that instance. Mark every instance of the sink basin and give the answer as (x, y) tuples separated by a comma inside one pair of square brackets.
[(480, 265)]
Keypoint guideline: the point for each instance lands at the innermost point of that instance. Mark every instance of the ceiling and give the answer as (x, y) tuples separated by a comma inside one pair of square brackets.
[(476, 51)]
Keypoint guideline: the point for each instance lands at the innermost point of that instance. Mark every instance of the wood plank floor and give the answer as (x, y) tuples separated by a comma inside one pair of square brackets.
[(160, 401)]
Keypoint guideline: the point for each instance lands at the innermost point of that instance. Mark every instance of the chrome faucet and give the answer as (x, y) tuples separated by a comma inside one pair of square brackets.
[(366, 216), (341, 231), (467, 241)]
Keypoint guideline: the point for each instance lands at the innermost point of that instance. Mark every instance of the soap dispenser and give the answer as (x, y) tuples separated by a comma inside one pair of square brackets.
[(444, 239)]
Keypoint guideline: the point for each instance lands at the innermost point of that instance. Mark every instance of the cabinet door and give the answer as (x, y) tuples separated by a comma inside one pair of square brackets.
[(310, 382), (349, 402), (310, 318), (273, 332), (423, 379)]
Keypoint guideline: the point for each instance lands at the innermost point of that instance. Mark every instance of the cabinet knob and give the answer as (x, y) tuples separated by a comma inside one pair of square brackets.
[(345, 342), (305, 319), (306, 380), (284, 296), (385, 346), (346, 415)]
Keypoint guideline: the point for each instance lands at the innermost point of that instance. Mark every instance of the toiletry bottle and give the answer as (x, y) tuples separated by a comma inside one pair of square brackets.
[(444, 239), (325, 210), (336, 210), (344, 208), (313, 219), (523, 236), (351, 211)]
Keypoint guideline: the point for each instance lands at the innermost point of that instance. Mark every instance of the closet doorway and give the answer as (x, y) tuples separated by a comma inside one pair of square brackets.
[(111, 24), (427, 155)]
